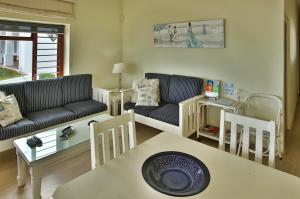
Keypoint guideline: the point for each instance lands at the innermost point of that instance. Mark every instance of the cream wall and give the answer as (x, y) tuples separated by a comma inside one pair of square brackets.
[(252, 59), (95, 38), (292, 60)]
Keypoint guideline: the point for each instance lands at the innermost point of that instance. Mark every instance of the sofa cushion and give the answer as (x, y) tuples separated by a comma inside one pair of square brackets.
[(43, 94), (164, 83), (85, 108), (77, 88), (19, 128), (19, 91), (51, 117), (168, 113), (9, 111), (183, 88), (141, 110)]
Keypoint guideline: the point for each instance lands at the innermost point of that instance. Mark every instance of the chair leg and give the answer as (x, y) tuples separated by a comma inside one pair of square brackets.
[(278, 148)]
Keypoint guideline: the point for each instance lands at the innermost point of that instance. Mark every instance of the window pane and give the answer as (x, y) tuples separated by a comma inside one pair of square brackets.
[(47, 64), (47, 46), (15, 61), (47, 52), (46, 70), (15, 34), (47, 58)]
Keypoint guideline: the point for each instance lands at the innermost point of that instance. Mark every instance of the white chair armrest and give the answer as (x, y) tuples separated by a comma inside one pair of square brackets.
[(104, 96), (126, 95)]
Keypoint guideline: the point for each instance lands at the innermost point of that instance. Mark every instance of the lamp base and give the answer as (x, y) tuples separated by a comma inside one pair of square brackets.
[(120, 81)]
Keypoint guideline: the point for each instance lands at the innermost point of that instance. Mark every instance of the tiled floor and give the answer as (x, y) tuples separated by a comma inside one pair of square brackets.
[(66, 171)]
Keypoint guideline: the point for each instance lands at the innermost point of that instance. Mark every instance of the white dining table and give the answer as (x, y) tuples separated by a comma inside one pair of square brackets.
[(232, 177)]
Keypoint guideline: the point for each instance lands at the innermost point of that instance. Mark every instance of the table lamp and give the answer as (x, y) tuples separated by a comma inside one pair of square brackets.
[(119, 69)]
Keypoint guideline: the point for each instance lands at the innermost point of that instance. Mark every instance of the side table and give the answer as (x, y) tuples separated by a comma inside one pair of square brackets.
[(225, 104)]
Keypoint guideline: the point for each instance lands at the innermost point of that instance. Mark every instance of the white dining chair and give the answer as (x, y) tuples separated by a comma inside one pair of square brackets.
[(259, 127), (267, 107), (124, 124)]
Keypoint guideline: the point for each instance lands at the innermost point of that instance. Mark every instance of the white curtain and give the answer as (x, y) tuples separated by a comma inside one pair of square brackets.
[(50, 8)]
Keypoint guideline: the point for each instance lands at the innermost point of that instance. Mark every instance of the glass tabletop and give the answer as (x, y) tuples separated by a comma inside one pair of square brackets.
[(53, 143)]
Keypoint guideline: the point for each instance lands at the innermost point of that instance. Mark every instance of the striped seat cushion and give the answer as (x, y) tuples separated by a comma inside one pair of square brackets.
[(51, 117), (168, 113), (43, 94), (19, 128), (77, 88), (141, 110), (85, 108)]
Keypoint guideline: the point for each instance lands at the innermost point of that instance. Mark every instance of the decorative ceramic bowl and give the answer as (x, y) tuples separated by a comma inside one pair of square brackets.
[(176, 174)]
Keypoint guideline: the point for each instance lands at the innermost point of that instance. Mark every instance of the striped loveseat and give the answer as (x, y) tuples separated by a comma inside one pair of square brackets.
[(47, 103), (177, 107)]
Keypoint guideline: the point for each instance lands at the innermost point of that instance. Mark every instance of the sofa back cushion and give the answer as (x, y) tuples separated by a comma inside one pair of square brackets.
[(164, 83), (43, 94), (183, 88), (19, 92), (77, 88)]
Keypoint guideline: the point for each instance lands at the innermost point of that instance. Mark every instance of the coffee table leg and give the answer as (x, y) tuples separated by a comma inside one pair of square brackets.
[(36, 182), (21, 170)]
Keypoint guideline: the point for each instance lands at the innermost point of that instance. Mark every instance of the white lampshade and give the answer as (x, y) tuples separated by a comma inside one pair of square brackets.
[(119, 68)]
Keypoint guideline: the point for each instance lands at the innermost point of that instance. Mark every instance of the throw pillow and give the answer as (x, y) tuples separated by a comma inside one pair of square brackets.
[(147, 97), (9, 111), (2, 94), (137, 84)]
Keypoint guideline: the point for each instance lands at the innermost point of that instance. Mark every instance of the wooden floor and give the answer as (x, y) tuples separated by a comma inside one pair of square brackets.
[(56, 175)]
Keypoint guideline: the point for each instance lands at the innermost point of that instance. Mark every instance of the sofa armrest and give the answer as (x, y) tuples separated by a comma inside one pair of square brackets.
[(104, 96), (191, 100), (188, 115), (126, 95)]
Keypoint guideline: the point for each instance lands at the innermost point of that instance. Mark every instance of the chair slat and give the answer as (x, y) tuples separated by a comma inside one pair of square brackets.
[(259, 145), (233, 138), (186, 120), (190, 116), (272, 144), (132, 135), (116, 141), (222, 131), (125, 138), (194, 116), (105, 146), (246, 141), (95, 142)]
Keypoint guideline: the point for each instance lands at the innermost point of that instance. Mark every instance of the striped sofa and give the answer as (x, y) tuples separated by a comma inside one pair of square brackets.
[(177, 107), (47, 103)]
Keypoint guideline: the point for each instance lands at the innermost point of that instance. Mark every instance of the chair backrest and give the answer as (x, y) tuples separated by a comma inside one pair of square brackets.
[(265, 107), (261, 128), (112, 128)]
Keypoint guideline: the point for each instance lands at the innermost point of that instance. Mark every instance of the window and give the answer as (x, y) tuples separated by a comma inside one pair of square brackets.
[(31, 50)]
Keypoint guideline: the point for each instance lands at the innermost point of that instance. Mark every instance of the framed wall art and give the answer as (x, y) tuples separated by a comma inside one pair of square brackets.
[(197, 34)]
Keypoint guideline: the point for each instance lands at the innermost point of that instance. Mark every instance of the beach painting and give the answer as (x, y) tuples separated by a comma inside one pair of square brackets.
[(200, 34)]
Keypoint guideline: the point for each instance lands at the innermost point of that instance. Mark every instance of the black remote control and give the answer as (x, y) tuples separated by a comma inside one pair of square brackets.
[(34, 142)]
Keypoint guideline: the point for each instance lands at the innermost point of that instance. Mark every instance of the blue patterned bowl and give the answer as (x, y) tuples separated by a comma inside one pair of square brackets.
[(176, 174)]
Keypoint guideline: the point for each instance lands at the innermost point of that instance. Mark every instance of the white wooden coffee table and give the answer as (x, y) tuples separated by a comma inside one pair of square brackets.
[(54, 149)]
